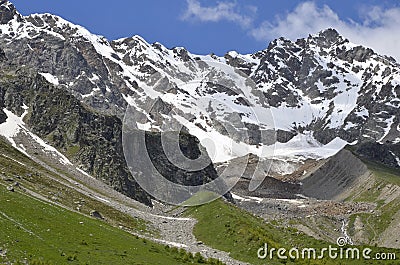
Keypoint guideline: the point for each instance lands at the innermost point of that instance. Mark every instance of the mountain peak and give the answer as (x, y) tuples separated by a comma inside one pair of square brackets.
[(7, 12), (328, 37), (330, 33), (5, 3)]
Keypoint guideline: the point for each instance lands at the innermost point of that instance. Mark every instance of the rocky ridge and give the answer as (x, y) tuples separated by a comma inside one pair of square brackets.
[(317, 89)]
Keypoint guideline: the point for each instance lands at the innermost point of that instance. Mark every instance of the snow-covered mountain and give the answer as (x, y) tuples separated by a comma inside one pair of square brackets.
[(318, 93)]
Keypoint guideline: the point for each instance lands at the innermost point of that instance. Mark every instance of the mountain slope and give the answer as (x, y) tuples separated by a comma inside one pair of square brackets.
[(321, 84), (337, 178), (91, 140), (39, 205), (67, 95), (310, 97)]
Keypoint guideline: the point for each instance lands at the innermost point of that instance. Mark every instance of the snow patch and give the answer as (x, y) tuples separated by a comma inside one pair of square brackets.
[(306, 146), (389, 123), (15, 125), (363, 112), (292, 201), (102, 199), (283, 167), (170, 243), (349, 125), (83, 172), (395, 157), (61, 158), (175, 218), (257, 199), (11, 127), (237, 197), (51, 78), (233, 54), (144, 126), (94, 78)]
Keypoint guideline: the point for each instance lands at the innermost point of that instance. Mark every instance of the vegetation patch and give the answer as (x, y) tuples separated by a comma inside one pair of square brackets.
[(16, 167), (224, 226), (43, 233)]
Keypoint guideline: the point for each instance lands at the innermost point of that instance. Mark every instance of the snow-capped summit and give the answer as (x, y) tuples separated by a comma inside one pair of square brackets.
[(8, 12), (322, 88)]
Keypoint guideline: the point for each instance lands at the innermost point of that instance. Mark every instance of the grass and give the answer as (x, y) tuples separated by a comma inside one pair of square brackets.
[(383, 172), (228, 228), (43, 233), (47, 234), (72, 151), (38, 179), (233, 230), (376, 223), (379, 221), (200, 198)]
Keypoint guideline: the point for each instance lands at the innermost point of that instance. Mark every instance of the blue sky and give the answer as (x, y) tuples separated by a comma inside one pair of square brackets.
[(205, 26)]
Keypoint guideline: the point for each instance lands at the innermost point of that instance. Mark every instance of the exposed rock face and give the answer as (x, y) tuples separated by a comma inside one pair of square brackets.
[(352, 76), (387, 154), (321, 84), (3, 116), (284, 136), (3, 56), (90, 139), (189, 145), (159, 170), (336, 177), (96, 214), (7, 12), (269, 188)]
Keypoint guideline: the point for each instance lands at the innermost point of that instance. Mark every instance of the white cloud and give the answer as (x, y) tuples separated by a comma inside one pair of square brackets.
[(305, 19), (379, 27), (228, 11)]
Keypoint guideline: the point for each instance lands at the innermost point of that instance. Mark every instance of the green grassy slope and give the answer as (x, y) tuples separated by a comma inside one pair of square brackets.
[(226, 227), (38, 231), (43, 233), (385, 181), (15, 166)]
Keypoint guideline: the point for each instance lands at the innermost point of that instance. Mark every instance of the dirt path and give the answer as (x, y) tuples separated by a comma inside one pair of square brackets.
[(173, 231)]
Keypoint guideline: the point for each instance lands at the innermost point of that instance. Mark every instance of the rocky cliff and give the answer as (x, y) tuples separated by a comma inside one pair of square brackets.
[(322, 84), (311, 96)]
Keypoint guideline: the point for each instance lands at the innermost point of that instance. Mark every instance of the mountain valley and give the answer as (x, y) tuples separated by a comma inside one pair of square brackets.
[(301, 141)]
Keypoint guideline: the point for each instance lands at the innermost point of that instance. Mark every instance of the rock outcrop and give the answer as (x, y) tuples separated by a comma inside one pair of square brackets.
[(336, 178)]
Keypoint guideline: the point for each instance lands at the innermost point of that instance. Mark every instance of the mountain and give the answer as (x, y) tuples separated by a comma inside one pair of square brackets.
[(293, 101), (344, 195), (305, 132)]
